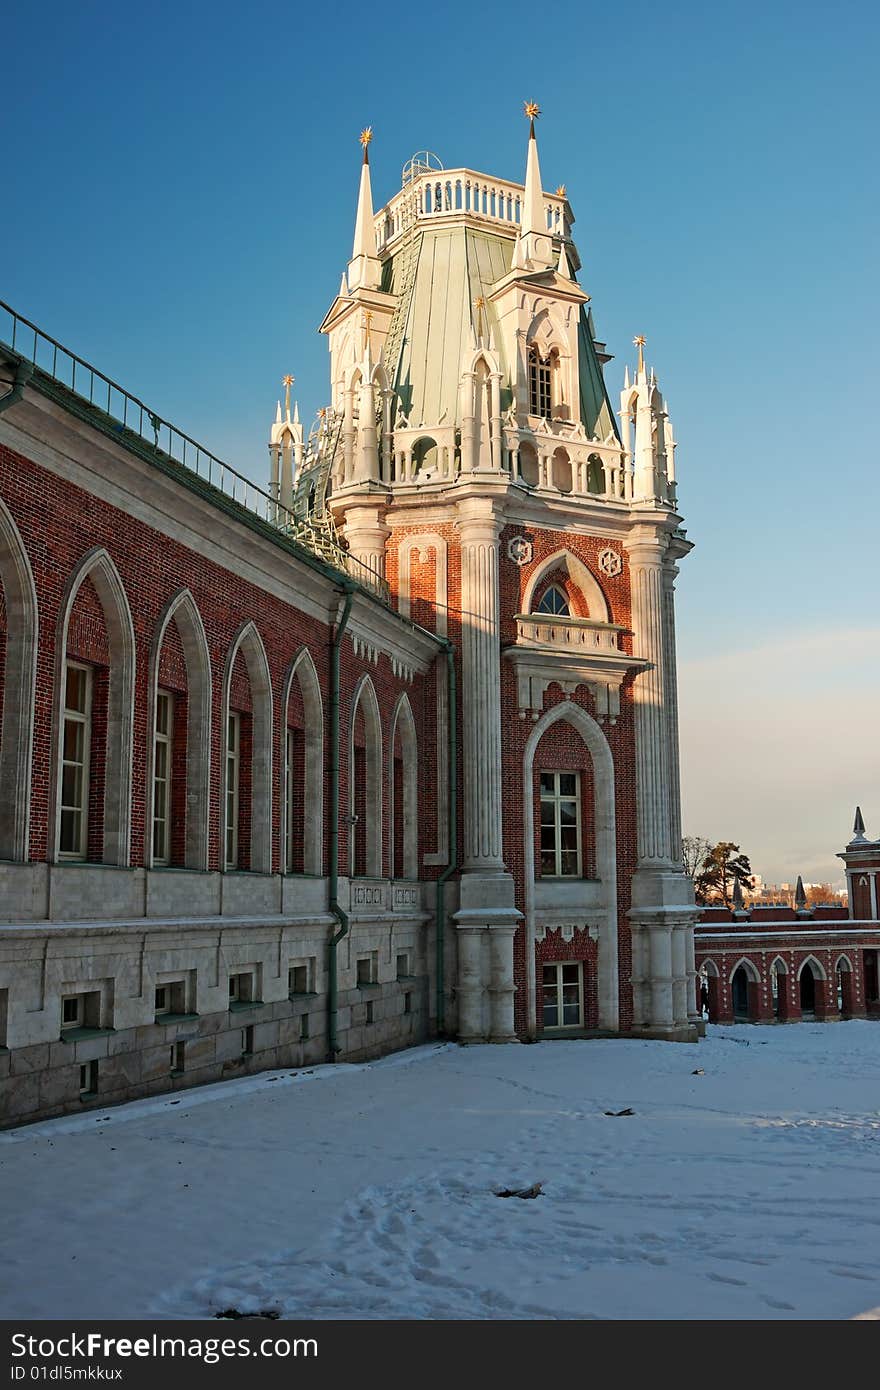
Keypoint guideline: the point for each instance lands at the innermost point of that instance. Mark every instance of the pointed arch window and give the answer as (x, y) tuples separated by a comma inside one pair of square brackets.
[(555, 602), (540, 384)]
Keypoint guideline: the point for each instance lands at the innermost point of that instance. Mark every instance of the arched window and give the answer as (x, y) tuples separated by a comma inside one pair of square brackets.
[(95, 684), (365, 784), (303, 764), (404, 794), (179, 756), (246, 756), (18, 664), (554, 601), (540, 384)]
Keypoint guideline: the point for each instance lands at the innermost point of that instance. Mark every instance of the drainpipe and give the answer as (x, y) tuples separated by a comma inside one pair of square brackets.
[(23, 373), (339, 913), (439, 912)]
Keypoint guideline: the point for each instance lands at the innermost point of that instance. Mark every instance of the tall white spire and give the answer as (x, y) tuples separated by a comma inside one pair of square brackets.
[(533, 218), (364, 270), (534, 246)]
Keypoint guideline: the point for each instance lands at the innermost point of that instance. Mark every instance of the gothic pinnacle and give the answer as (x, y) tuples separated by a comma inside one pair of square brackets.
[(858, 825)]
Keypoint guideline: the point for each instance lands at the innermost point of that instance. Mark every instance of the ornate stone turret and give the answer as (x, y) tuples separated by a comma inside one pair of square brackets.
[(285, 449), (474, 431), (862, 860)]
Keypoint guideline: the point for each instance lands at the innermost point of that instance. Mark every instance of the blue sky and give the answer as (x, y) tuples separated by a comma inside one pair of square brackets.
[(179, 190)]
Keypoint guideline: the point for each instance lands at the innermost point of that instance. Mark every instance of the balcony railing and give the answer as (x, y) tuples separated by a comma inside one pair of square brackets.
[(131, 419), (579, 635), (441, 193)]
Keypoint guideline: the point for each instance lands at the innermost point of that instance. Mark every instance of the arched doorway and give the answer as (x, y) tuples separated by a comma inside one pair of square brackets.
[(739, 993), (808, 992)]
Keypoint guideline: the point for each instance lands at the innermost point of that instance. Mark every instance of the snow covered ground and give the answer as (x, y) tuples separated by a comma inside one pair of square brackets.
[(748, 1191)]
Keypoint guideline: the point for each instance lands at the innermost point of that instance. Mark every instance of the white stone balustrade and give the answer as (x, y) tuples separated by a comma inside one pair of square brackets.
[(464, 192), (572, 634)]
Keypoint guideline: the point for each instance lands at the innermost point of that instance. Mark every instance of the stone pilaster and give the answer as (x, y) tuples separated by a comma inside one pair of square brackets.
[(470, 983), (501, 985), (663, 908), (481, 688)]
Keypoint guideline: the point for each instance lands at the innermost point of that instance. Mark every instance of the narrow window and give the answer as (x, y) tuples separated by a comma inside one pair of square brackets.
[(290, 799), (368, 969), (162, 746), (562, 988), (560, 825), (241, 989), (403, 965), (540, 395), (298, 979), (233, 751), (88, 1080), (76, 740)]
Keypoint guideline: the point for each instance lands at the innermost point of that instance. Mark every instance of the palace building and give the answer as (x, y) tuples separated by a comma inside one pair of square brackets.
[(385, 751)]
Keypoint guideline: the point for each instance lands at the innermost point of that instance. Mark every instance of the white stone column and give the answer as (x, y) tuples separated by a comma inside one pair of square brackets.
[(501, 986), (662, 1012), (680, 1009), (651, 717), (366, 534), (693, 1013), (366, 463), (641, 975), (468, 424), (478, 530), (469, 986), (495, 420), (348, 437)]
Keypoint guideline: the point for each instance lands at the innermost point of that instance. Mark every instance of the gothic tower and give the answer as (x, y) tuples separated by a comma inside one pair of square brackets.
[(480, 470)]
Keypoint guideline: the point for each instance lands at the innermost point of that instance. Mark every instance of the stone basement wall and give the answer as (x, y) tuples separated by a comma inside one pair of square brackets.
[(137, 1055)]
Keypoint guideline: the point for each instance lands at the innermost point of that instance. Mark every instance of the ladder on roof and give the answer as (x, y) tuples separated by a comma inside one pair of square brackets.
[(310, 520), (407, 260)]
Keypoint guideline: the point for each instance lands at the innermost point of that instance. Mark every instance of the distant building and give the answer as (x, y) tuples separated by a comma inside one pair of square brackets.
[(772, 964)]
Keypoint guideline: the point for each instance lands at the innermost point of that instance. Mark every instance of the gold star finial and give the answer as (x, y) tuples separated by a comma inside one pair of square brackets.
[(639, 342), (479, 305), (287, 382), (532, 110), (560, 192), (365, 137)]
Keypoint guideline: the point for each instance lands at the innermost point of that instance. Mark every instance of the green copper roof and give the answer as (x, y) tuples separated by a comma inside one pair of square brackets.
[(455, 266)]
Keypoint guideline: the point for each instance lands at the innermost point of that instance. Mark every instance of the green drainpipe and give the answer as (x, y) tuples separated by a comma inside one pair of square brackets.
[(338, 912), (23, 374), (439, 913)]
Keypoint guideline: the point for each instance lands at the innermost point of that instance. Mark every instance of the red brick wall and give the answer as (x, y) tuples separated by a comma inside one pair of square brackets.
[(153, 567)]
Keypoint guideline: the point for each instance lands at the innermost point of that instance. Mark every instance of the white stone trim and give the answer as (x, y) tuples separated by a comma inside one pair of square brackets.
[(365, 690), (97, 565), (579, 574), (183, 611), (606, 859), (403, 716), (249, 641), (302, 670), (17, 730)]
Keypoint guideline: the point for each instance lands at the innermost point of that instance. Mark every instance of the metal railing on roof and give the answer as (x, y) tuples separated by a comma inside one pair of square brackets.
[(132, 417)]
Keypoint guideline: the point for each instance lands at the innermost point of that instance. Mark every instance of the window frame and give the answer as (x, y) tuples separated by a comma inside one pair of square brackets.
[(233, 777), (163, 739), (83, 720), (563, 612), (558, 966), (540, 380), (556, 798)]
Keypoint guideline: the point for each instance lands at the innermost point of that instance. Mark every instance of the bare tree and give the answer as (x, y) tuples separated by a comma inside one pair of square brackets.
[(694, 851)]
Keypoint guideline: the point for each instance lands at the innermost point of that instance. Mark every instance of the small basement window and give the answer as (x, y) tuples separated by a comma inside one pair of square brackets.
[(170, 998), (88, 1080), (241, 989), (368, 969)]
